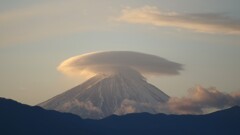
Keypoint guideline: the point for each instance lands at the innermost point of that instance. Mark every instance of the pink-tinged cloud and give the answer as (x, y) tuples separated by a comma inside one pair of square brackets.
[(199, 22), (200, 100)]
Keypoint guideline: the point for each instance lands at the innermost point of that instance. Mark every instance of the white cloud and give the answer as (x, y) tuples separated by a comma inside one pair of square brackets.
[(200, 22), (127, 106), (88, 105), (131, 106), (117, 61)]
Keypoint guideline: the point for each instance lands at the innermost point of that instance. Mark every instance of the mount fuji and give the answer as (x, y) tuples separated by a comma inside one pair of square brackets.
[(125, 91)]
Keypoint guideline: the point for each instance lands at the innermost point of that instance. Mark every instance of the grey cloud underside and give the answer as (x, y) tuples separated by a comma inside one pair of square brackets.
[(114, 61)]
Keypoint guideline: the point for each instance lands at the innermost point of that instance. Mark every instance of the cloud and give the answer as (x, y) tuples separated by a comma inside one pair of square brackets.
[(127, 106), (200, 100), (117, 61), (88, 105), (131, 106), (199, 22)]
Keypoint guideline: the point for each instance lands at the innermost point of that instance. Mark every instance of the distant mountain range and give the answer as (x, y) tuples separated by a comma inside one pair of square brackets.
[(20, 119)]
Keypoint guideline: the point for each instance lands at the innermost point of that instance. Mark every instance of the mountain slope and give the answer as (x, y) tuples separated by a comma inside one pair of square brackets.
[(224, 122), (16, 118), (104, 95), (20, 119)]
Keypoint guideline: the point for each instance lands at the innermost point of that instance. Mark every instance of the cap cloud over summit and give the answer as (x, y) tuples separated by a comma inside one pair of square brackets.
[(114, 61)]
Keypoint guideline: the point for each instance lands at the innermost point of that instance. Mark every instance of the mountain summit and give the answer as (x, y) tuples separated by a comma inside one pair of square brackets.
[(122, 92)]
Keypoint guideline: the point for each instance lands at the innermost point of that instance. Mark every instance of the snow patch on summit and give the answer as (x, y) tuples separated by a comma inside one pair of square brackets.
[(126, 91)]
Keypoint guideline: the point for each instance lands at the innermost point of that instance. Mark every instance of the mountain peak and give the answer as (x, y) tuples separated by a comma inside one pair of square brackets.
[(106, 94)]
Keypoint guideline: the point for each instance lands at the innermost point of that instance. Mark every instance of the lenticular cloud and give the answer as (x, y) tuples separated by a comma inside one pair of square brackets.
[(115, 61)]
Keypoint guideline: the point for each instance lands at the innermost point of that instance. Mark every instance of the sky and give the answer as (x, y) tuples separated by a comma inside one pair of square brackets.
[(36, 36)]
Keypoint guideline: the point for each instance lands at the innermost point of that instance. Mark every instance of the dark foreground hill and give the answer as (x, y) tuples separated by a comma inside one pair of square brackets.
[(20, 119)]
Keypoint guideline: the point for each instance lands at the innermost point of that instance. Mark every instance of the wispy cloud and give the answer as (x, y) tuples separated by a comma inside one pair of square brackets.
[(199, 22), (201, 99)]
